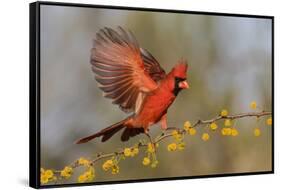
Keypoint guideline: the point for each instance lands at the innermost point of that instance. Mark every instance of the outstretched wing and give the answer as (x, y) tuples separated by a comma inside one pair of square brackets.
[(152, 66), (124, 71)]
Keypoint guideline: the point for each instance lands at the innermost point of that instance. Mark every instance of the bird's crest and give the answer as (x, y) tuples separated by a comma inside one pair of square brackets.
[(180, 69)]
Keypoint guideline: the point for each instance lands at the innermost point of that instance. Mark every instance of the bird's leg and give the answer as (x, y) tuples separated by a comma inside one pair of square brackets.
[(150, 139), (146, 132), (164, 125)]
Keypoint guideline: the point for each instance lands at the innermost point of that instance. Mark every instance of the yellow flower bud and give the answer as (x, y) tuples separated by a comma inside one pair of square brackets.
[(181, 146), (127, 152), (257, 132), (175, 133), (66, 172), (115, 169), (205, 136), (269, 121), (177, 136), (253, 105), (234, 132), (213, 126), (82, 178), (226, 131), (135, 151), (83, 161), (150, 148), (224, 112), (227, 122), (172, 147), (192, 131), (154, 164), (88, 175), (186, 125), (49, 173), (107, 164), (146, 161), (44, 179)]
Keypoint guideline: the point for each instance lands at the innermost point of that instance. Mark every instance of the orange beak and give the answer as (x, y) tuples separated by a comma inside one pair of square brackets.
[(183, 85)]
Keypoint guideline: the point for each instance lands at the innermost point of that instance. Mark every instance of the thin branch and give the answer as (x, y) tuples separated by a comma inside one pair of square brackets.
[(233, 117), (164, 135), (209, 121), (199, 122), (109, 155)]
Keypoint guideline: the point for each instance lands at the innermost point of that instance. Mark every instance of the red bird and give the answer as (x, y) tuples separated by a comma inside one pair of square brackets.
[(134, 80)]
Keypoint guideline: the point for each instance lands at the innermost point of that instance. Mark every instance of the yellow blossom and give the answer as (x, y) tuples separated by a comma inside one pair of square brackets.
[(226, 131), (227, 122), (107, 164), (223, 131), (181, 146), (172, 147), (175, 133), (87, 176), (44, 179), (257, 132), (234, 132), (213, 126), (66, 172), (146, 161), (150, 148), (154, 164), (49, 173), (127, 152), (177, 136), (83, 161), (46, 176), (205, 136), (82, 178), (187, 125), (115, 169), (135, 151), (269, 121), (90, 174), (224, 112), (253, 105), (192, 131)]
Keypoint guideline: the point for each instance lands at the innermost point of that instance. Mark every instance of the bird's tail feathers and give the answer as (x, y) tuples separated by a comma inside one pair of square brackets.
[(106, 133)]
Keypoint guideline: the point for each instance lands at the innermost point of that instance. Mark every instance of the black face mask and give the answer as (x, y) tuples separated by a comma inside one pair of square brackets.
[(177, 89)]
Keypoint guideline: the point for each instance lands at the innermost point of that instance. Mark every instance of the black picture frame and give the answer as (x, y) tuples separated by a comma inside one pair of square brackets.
[(34, 98)]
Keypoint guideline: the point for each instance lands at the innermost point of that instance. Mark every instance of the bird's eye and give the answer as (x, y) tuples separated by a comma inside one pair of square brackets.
[(180, 79)]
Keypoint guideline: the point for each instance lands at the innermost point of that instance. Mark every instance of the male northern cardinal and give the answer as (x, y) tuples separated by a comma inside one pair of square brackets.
[(134, 80)]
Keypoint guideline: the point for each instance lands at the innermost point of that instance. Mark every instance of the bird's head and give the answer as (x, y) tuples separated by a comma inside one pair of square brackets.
[(178, 75)]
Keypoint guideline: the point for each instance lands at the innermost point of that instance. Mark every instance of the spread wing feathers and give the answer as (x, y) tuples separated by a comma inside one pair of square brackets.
[(152, 66), (123, 76)]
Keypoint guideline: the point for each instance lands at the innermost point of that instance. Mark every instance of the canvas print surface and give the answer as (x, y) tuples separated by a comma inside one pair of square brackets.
[(144, 95)]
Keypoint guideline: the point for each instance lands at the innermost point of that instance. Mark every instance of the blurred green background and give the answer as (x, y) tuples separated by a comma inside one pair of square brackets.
[(229, 66)]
